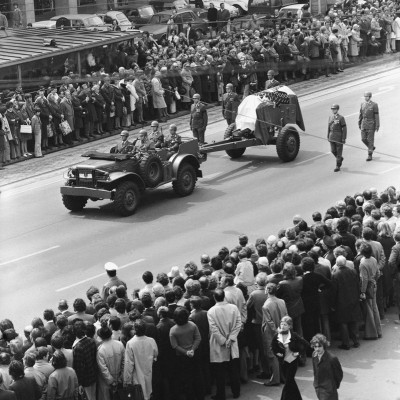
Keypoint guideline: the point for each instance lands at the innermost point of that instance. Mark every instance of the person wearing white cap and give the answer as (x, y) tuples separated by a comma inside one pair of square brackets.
[(111, 270), (174, 273)]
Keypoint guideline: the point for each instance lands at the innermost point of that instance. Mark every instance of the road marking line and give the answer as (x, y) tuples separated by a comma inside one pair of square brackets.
[(350, 115), (40, 185), (98, 276), (389, 170), (29, 255), (313, 158)]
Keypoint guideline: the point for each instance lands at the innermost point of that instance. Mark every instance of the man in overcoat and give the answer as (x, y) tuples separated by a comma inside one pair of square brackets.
[(225, 324)]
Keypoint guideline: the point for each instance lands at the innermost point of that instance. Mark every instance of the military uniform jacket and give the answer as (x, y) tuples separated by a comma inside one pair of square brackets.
[(157, 138), (337, 129), (198, 116), (369, 116), (230, 105), (270, 83)]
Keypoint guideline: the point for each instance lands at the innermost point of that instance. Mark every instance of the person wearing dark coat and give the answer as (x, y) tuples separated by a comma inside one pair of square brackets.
[(6, 394), (328, 373), (78, 114), (119, 100), (42, 103), (287, 346), (100, 106), (89, 110), (107, 91), (24, 387), (312, 282), (212, 16), (346, 303)]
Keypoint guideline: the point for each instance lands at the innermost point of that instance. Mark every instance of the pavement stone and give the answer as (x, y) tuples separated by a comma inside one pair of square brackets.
[(62, 159)]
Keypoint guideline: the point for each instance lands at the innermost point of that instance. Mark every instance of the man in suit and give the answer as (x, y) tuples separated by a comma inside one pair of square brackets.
[(328, 372), (230, 104), (337, 133), (42, 103), (63, 308), (191, 35), (198, 119), (271, 81), (223, 17), (125, 146), (67, 110), (368, 122), (85, 362), (107, 91)]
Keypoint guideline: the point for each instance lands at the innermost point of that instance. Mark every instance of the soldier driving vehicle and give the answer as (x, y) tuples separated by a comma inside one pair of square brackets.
[(125, 146)]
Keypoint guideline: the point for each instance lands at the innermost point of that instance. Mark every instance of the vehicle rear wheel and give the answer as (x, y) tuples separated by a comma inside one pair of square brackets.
[(127, 198), (185, 181), (151, 169), (287, 144), (229, 130), (236, 153), (74, 203)]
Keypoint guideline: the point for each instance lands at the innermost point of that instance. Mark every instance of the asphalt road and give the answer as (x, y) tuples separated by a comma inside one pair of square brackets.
[(47, 253)]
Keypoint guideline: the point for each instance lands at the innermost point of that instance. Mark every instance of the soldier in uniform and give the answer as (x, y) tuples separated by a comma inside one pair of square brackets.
[(368, 122), (157, 137), (230, 104), (143, 143), (125, 146), (198, 119), (337, 133), (172, 140), (271, 82)]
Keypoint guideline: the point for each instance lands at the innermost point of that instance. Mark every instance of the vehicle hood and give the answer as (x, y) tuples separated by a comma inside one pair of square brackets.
[(154, 29), (97, 164)]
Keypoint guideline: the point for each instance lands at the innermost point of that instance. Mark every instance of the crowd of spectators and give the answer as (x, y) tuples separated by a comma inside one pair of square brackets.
[(132, 83), (176, 334)]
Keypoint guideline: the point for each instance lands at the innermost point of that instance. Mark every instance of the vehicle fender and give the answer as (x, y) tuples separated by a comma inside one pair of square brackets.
[(295, 126), (179, 159), (118, 177), (243, 4)]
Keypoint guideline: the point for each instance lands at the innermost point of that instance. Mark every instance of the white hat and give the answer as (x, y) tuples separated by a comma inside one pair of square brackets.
[(110, 266), (174, 272), (263, 261)]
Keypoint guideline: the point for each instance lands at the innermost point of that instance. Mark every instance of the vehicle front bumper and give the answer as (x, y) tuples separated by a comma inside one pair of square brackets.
[(86, 192)]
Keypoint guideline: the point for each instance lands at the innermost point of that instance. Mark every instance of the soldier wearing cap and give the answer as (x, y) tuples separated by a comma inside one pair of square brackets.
[(337, 133), (230, 104), (111, 270), (368, 122), (157, 137), (271, 82), (198, 119), (172, 140), (125, 146)]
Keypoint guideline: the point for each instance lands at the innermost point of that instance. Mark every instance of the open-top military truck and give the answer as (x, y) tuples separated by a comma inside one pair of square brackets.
[(123, 178), (271, 117)]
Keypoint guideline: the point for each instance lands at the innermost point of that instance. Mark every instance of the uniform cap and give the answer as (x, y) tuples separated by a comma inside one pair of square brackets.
[(154, 123), (196, 96), (369, 94), (228, 85), (110, 266), (335, 107), (124, 133)]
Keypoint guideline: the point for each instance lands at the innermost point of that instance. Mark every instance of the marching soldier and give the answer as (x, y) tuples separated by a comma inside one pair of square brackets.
[(230, 104), (157, 136), (198, 119), (368, 122), (337, 133)]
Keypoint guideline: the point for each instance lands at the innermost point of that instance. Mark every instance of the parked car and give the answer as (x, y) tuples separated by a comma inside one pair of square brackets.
[(293, 8), (120, 17), (140, 14), (241, 23), (158, 23), (44, 24), (81, 21)]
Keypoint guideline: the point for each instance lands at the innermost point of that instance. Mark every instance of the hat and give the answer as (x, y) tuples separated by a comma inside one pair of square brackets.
[(196, 96), (340, 204), (263, 261), (124, 133), (335, 107), (174, 272), (328, 241), (110, 266)]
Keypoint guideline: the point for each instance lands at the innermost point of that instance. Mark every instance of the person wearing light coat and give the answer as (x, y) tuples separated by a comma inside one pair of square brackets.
[(225, 323), (355, 40), (157, 93)]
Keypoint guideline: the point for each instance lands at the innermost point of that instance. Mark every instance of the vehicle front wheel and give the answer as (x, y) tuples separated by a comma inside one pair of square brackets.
[(185, 181), (127, 198), (288, 144), (74, 203)]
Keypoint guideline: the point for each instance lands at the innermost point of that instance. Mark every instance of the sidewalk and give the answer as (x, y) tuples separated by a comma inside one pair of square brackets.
[(62, 159)]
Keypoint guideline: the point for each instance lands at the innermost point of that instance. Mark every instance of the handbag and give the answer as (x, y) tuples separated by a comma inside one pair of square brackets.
[(26, 128), (65, 128), (132, 392), (9, 135), (124, 110), (50, 132), (177, 95), (112, 111)]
